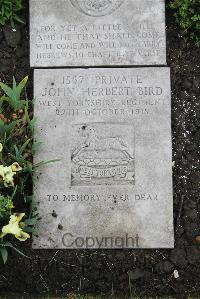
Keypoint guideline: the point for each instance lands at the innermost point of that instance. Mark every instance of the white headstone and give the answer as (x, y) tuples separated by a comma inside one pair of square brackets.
[(97, 32), (111, 131)]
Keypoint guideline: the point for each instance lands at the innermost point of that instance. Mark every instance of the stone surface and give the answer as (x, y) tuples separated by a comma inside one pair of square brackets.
[(111, 131), (97, 32)]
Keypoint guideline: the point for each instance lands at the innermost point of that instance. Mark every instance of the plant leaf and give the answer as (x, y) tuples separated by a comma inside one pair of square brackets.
[(20, 86), (8, 244), (4, 254)]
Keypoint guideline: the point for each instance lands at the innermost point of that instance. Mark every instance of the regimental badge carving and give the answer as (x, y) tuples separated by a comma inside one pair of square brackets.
[(97, 8), (102, 154)]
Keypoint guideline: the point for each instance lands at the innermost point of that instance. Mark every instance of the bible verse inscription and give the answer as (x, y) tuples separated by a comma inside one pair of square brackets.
[(106, 32)]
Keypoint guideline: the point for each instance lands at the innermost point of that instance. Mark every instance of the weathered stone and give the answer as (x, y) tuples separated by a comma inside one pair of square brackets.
[(110, 130), (97, 32)]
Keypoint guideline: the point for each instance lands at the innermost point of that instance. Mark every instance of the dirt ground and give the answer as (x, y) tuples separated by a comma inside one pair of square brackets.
[(109, 272)]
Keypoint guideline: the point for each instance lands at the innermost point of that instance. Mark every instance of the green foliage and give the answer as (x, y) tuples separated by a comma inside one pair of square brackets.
[(6, 129), (30, 223), (16, 142), (187, 13), (9, 10), (3, 253), (4, 250), (16, 135), (13, 95), (17, 170), (6, 205)]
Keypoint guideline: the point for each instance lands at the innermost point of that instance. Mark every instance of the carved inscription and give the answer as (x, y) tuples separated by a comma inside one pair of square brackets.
[(106, 32), (109, 130), (102, 96)]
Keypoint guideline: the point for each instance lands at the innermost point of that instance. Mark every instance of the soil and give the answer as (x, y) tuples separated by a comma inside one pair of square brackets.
[(108, 272)]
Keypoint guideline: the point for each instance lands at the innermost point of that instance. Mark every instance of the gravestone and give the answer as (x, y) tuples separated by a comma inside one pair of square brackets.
[(97, 32), (110, 130)]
